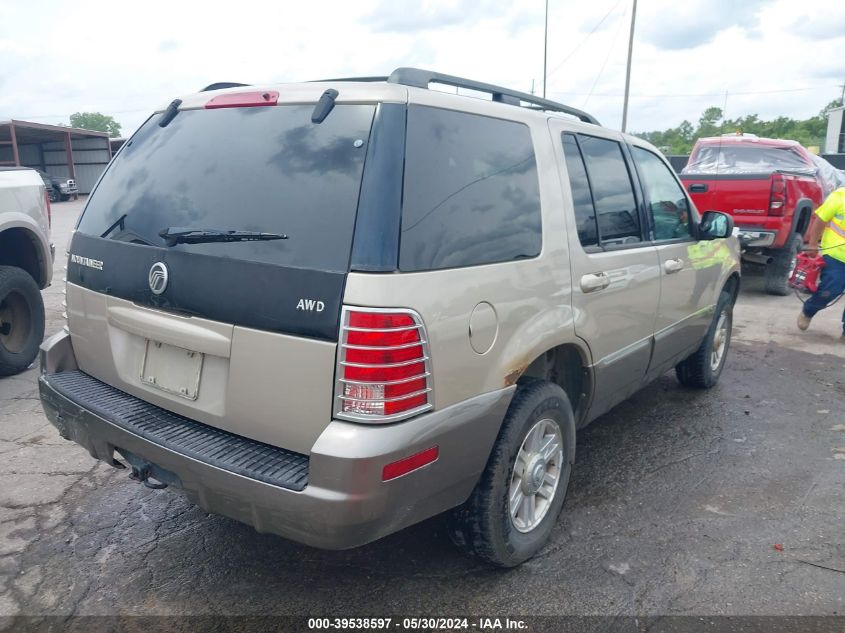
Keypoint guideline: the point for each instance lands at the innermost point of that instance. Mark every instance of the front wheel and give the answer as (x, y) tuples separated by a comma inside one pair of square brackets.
[(703, 368), (513, 509)]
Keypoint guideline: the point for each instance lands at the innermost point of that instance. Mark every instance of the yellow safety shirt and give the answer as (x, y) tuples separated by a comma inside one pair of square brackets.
[(832, 212)]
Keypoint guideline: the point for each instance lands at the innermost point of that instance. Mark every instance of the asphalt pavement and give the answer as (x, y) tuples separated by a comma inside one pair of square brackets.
[(728, 501)]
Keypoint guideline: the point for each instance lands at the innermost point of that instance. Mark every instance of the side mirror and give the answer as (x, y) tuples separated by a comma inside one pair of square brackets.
[(715, 225)]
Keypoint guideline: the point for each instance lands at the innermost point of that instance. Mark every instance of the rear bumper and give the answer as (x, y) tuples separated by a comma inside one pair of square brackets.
[(754, 238), (345, 502)]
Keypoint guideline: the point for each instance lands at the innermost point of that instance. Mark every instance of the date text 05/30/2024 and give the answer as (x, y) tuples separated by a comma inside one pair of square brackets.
[(417, 624)]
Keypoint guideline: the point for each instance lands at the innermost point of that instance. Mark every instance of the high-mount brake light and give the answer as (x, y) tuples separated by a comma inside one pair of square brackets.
[(383, 366), (249, 99), (777, 201)]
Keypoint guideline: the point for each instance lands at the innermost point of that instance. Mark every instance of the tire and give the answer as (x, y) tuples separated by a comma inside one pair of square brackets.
[(483, 526), (21, 320), (703, 368), (54, 195), (778, 272)]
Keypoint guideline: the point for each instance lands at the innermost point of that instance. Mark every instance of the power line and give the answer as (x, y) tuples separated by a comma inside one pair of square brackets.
[(701, 94), (586, 37), (59, 116), (606, 58)]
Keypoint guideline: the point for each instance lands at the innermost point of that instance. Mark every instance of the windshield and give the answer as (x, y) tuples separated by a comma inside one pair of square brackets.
[(730, 158), (260, 170)]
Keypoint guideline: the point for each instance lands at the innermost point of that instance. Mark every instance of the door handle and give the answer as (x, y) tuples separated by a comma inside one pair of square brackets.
[(673, 265), (594, 282), (698, 188)]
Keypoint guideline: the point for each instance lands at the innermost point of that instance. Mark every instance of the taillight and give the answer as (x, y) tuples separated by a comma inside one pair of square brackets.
[(49, 210), (777, 199), (383, 365)]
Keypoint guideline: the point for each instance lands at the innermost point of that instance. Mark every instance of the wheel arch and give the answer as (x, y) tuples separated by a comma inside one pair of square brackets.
[(803, 214), (21, 247), (568, 366), (731, 285)]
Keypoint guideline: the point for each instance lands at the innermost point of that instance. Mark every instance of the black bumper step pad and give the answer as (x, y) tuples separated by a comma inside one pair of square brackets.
[(224, 450)]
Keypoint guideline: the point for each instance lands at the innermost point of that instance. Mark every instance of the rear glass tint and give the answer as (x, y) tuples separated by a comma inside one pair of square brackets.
[(582, 197), (264, 169), (471, 193), (731, 158)]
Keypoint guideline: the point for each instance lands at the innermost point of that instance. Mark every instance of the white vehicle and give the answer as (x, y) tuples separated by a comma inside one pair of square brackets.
[(26, 266)]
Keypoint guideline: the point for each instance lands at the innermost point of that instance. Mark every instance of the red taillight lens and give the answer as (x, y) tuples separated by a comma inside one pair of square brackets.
[(777, 200), (49, 209), (383, 366)]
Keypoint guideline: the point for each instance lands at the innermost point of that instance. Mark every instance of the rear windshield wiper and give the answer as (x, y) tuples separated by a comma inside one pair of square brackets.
[(181, 235)]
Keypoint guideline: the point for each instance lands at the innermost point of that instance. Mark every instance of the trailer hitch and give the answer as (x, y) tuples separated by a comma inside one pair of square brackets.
[(143, 475), (152, 476)]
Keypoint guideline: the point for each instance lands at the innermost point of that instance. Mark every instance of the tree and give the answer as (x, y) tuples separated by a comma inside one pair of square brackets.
[(95, 121), (809, 132)]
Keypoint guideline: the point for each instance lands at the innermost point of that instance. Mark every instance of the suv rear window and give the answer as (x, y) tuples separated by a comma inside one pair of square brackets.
[(730, 158), (471, 192), (265, 169)]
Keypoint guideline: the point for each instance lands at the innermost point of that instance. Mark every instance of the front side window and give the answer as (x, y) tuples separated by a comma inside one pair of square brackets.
[(471, 191), (613, 194), (665, 200)]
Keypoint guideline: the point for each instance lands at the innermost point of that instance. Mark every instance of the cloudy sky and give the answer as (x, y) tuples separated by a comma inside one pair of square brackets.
[(770, 57)]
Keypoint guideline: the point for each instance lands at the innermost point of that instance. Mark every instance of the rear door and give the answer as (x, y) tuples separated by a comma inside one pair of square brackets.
[(237, 332), (689, 269), (616, 282)]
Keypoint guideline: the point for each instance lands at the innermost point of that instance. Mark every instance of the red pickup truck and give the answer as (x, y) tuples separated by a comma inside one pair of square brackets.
[(769, 186)]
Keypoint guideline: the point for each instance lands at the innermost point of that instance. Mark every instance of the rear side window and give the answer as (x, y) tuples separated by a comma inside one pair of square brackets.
[(266, 170), (471, 191), (582, 198), (616, 207)]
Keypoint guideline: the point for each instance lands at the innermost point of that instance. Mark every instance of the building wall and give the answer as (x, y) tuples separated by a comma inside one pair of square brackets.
[(90, 157), (835, 141)]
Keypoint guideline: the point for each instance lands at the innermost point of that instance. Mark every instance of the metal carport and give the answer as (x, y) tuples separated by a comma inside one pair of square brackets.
[(60, 151)]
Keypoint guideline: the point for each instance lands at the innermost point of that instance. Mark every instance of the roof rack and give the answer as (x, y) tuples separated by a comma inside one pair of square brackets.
[(223, 84), (419, 78)]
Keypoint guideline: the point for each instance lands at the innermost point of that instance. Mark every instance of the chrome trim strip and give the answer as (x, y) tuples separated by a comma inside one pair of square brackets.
[(383, 366), (383, 419), (404, 328), (386, 348), (387, 382), (382, 400)]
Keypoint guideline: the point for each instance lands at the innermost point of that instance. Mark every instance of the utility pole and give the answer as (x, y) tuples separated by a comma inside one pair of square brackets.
[(628, 70), (545, 47)]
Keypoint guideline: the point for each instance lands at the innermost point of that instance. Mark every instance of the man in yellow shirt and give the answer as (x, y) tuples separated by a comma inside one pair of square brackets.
[(829, 225)]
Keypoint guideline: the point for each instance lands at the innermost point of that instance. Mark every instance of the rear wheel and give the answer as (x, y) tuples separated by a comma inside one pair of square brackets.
[(515, 505), (703, 368), (779, 270), (21, 320)]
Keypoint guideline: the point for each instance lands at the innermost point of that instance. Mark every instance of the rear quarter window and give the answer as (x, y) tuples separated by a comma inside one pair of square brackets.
[(471, 191)]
